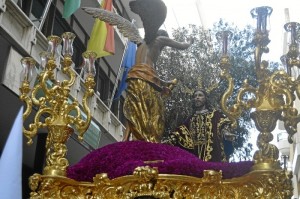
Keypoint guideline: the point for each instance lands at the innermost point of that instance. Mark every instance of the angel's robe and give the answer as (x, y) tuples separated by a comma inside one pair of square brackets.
[(144, 107)]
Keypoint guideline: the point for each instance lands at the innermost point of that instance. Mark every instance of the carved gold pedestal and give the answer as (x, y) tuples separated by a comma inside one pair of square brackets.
[(146, 181)]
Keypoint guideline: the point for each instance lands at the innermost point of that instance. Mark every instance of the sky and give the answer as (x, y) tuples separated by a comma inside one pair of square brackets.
[(237, 11), (207, 12)]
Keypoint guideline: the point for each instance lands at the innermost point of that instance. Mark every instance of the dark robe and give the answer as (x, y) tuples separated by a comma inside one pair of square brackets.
[(201, 134)]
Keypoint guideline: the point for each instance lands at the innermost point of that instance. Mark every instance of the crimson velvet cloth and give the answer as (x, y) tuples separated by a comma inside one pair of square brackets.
[(121, 158)]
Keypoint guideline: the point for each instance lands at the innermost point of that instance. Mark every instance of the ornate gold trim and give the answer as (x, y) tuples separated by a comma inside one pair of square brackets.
[(146, 181)]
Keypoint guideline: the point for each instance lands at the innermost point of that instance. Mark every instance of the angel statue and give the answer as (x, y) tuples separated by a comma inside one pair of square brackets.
[(144, 105)]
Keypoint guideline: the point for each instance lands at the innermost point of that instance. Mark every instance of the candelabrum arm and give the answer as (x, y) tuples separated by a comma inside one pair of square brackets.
[(290, 115), (291, 118), (47, 75), (39, 114), (67, 69), (37, 124), (32, 131), (257, 58), (24, 97), (73, 107), (38, 102), (282, 84), (261, 41), (247, 90), (298, 87), (234, 111), (283, 87), (81, 125)]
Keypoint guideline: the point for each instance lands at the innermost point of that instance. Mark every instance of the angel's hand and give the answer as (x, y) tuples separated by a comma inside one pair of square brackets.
[(166, 92), (169, 84), (172, 84), (168, 87)]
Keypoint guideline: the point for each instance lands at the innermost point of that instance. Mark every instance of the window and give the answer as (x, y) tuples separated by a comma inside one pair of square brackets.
[(121, 113), (102, 84)]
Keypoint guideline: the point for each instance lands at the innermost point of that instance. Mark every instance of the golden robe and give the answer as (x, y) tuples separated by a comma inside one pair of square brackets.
[(144, 107)]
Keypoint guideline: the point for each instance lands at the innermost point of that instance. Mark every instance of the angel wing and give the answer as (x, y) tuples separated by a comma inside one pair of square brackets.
[(127, 28), (153, 14)]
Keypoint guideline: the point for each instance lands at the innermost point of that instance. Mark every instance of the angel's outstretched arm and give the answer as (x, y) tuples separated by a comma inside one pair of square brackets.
[(166, 41)]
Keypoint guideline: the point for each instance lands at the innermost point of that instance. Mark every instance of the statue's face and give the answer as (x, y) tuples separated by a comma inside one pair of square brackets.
[(199, 99)]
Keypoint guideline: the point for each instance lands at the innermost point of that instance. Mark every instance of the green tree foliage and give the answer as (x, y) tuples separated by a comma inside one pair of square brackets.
[(198, 67)]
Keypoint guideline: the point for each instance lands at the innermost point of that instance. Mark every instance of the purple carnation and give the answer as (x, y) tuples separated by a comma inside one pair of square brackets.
[(121, 158)]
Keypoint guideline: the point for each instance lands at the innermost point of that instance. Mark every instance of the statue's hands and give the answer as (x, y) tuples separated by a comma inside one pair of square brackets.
[(168, 87), (227, 133), (171, 84), (166, 91)]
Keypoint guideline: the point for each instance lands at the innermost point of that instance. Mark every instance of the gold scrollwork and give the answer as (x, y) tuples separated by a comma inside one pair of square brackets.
[(51, 98), (256, 184)]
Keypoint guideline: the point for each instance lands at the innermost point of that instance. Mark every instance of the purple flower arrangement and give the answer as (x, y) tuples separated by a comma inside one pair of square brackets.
[(121, 158)]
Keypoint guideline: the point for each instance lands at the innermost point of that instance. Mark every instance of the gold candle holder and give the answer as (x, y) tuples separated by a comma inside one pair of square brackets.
[(53, 106), (272, 100)]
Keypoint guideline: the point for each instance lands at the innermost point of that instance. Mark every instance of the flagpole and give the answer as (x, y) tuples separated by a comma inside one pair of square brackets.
[(118, 76), (119, 72), (45, 12)]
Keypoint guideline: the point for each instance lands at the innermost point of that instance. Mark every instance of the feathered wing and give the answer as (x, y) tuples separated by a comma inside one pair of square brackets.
[(153, 14), (127, 28)]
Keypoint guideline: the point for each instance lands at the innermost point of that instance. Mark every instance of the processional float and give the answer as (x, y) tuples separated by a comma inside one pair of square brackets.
[(273, 100)]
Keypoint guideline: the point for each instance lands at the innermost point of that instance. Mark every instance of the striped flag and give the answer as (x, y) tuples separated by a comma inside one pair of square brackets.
[(102, 37), (70, 7), (127, 63), (11, 162)]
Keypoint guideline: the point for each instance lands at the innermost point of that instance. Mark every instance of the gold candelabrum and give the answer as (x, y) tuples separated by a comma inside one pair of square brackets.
[(273, 99), (51, 98)]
